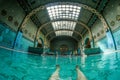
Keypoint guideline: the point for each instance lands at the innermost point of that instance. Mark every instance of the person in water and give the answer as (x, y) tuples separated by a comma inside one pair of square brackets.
[(55, 75), (80, 75)]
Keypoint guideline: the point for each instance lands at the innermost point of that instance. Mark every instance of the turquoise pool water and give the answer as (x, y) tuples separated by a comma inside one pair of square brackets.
[(22, 66)]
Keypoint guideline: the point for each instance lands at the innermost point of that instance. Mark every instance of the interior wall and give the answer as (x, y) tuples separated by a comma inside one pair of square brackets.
[(13, 10), (7, 37), (56, 44), (11, 16), (112, 15)]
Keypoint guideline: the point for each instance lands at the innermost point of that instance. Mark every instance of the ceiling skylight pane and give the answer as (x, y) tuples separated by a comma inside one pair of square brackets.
[(62, 5), (63, 10), (64, 33), (74, 6), (67, 6)]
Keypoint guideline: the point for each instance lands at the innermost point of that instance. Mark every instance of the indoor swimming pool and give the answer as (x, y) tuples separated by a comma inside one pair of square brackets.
[(22, 66)]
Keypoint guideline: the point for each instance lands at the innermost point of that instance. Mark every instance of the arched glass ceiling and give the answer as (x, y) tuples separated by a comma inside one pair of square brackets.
[(63, 33), (63, 11), (64, 25)]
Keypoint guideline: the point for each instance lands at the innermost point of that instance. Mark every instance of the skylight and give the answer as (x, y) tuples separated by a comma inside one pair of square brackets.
[(64, 25), (62, 11), (64, 33)]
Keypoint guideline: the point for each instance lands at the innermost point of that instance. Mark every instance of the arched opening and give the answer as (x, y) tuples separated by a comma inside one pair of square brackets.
[(63, 45), (39, 43), (64, 49), (34, 11), (81, 23), (64, 30), (87, 43)]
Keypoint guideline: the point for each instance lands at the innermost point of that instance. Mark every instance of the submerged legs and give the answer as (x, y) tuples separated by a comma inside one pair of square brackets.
[(80, 75), (55, 75)]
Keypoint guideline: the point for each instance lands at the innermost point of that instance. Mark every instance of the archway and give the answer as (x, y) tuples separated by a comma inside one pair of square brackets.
[(39, 43), (34, 11), (67, 30), (64, 30), (63, 49), (79, 22)]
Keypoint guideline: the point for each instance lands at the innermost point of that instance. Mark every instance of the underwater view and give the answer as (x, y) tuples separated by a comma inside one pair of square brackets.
[(25, 66)]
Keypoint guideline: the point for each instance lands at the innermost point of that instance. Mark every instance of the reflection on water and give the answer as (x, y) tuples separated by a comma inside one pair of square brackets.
[(21, 66)]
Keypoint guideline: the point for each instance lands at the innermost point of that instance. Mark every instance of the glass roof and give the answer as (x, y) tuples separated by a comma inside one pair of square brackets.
[(61, 10), (64, 25), (64, 33)]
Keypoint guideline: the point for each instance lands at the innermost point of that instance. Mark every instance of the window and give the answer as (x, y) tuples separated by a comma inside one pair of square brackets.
[(59, 11), (64, 25), (63, 11)]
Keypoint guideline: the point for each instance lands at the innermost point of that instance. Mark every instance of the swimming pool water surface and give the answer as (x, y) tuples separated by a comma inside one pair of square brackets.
[(22, 66)]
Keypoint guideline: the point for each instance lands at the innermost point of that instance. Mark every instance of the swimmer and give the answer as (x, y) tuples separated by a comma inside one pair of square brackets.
[(80, 75), (55, 75)]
